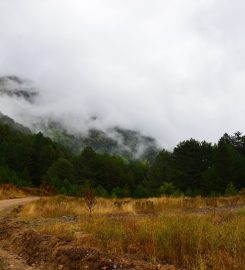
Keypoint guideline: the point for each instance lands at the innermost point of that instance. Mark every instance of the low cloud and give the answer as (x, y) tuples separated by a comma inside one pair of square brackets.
[(171, 69)]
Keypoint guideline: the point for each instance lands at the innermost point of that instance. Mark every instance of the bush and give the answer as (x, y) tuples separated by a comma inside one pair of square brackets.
[(230, 189), (141, 192), (101, 192), (167, 189), (119, 192)]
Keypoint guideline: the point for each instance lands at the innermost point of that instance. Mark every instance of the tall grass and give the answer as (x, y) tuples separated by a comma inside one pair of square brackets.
[(214, 240), (61, 205)]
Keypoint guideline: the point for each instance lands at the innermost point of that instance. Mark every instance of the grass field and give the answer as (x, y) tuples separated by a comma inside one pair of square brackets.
[(191, 233)]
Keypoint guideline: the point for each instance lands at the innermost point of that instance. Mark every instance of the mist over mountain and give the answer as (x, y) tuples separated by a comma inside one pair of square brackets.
[(9, 121), (14, 86), (169, 69), (115, 140)]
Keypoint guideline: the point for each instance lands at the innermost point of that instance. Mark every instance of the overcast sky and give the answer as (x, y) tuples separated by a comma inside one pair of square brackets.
[(173, 69)]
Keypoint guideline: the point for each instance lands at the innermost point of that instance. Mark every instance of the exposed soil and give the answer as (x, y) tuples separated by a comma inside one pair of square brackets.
[(227, 209), (5, 204), (22, 248), (10, 260)]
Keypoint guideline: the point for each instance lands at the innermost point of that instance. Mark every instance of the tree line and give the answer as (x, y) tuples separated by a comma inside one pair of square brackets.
[(192, 168)]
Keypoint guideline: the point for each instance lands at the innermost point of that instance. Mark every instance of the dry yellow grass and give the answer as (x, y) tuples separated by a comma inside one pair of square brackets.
[(157, 229), (8, 191), (61, 205)]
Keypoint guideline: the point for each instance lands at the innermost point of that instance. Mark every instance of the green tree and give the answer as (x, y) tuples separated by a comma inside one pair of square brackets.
[(60, 173), (141, 192), (229, 163), (100, 191), (168, 188), (190, 160), (231, 189), (160, 171)]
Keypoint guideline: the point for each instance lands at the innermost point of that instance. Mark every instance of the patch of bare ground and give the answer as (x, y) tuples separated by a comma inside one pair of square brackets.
[(5, 204), (221, 209), (9, 261), (50, 252)]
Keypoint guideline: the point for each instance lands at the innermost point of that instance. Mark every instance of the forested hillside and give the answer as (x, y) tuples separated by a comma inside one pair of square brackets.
[(115, 141), (192, 168), (4, 119)]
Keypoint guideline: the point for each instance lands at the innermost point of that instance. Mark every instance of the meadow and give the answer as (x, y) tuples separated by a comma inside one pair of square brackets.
[(190, 233)]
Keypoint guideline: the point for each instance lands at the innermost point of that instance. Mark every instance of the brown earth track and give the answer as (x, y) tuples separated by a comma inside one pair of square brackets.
[(22, 248), (51, 253), (5, 204), (10, 260)]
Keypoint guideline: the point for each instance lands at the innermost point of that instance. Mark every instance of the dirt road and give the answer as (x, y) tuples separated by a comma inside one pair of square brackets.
[(8, 260), (4, 204)]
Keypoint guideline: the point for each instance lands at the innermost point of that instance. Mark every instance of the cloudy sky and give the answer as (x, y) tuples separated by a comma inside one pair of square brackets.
[(173, 69)]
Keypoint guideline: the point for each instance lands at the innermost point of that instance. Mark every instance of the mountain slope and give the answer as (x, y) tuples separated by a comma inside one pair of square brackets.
[(116, 141), (9, 121)]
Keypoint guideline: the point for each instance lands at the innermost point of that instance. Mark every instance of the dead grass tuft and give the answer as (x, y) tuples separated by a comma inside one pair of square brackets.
[(9, 191)]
